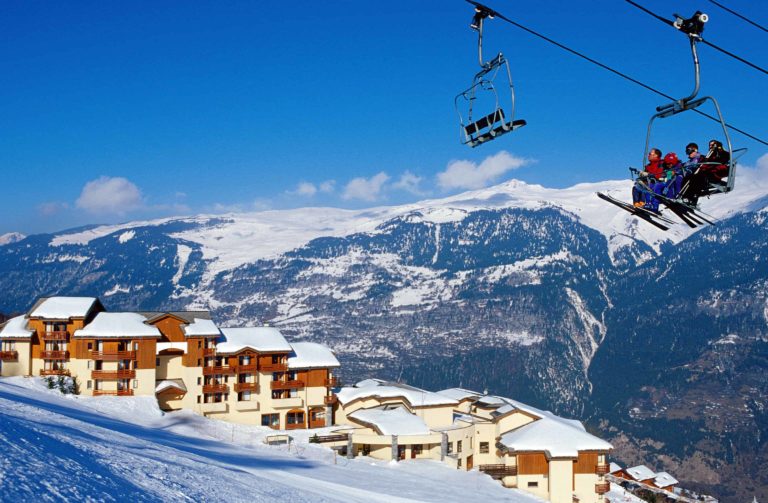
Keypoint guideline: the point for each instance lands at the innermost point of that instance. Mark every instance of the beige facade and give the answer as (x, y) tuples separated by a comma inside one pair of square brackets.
[(172, 356)]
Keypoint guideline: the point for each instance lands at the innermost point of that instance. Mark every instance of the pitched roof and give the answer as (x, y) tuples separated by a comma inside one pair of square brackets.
[(555, 435), (261, 339), (118, 325), (311, 355), (186, 316), (371, 388), (391, 421), (15, 328), (201, 327), (170, 384), (459, 393), (664, 479), (640, 472), (62, 308)]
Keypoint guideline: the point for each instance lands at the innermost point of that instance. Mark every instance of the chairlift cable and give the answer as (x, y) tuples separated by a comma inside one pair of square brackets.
[(714, 46), (739, 15), (612, 70)]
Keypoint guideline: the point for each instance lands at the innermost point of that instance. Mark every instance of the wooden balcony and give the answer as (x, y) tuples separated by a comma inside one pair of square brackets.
[(333, 382), (322, 439), (212, 370), (113, 392), (286, 384), (113, 356), (54, 372), (498, 471), (247, 369), (295, 426), (274, 367), (215, 388), (602, 469), (209, 351), (60, 335), (330, 400), (54, 355), (113, 374), (9, 356), (603, 487), (247, 386)]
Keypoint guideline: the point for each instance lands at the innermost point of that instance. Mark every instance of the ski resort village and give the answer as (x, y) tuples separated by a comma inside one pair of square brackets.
[(253, 376)]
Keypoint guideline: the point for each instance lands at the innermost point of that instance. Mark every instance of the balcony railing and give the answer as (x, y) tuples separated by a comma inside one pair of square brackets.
[(295, 426), (54, 355), (330, 400), (602, 488), (274, 367), (247, 369), (54, 372), (60, 335), (9, 356), (215, 388), (333, 382), (209, 351), (113, 374), (286, 384), (113, 392), (499, 471), (213, 370), (113, 356), (247, 386), (602, 469)]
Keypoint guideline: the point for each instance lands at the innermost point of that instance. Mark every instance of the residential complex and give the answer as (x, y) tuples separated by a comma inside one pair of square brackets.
[(253, 375), (245, 375)]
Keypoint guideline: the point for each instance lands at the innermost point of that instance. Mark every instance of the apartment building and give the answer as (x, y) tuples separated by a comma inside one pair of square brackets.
[(523, 447), (247, 375)]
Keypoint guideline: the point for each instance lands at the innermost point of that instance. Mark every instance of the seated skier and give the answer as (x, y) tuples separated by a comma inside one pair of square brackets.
[(650, 174), (671, 181), (712, 168)]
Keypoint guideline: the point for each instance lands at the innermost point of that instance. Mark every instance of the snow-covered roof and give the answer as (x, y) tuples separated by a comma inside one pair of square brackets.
[(118, 325), (392, 421), (162, 346), (558, 436), (374, 388), (641, 472), (614, 467), (664, 479), (262, 339), (200, 328), (62, 308), (170, 384), (459, 393), (311, 355), (16, 328)]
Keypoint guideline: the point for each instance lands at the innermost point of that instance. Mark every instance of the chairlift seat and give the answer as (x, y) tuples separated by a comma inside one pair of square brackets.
[(505, 127)]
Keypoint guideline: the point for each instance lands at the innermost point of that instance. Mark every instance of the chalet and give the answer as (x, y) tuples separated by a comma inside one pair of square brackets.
[(523, 447), (248, 375)]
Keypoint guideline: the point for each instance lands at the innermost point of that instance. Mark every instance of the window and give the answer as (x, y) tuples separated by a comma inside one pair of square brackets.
[(90, 346), (135, 384), (294, 393), (458, 446), (271, 420), (533, 484), (199, 398), (483, 447), (157, 362), (295, 418), (199, 381), (416, 450), (244, 396), (458, 464), (89, 385), (135, 346), (90, 363), (366, 449), (199, 344), (199, 362), (450, 447)]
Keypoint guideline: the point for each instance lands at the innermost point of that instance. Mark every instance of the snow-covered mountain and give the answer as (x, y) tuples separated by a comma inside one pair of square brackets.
[(516, 288)]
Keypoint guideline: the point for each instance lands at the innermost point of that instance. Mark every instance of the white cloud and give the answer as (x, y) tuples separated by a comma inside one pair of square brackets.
[(409, 183), (305, 189), (366, 189), (110, 195), (470, 175), (757, 175), (327, 186), (51, 208)]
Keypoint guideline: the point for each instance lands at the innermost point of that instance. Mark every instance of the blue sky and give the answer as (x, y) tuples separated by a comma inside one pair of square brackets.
[(115, 111)]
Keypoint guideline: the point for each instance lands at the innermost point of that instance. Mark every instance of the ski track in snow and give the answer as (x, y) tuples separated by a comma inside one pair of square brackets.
[(55, 447)]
